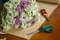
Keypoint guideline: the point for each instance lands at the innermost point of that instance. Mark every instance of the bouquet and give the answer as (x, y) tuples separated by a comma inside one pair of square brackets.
[(19, 14)]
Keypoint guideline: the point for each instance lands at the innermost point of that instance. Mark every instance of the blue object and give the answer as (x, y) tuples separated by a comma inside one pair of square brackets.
[(46, 28), (2, 2)]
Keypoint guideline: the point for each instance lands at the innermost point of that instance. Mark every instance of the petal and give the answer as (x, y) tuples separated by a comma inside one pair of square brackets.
[(25, 5), (19, 9), (24, 0), (18, 22)]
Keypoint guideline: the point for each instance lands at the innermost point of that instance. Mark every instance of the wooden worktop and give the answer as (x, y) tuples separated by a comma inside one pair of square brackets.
[(55, 23)]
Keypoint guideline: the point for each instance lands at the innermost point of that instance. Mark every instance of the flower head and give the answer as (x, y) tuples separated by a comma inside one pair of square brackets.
[(18, 22)]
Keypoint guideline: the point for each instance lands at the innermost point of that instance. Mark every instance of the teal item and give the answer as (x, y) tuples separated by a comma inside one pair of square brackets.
[(47, 28)]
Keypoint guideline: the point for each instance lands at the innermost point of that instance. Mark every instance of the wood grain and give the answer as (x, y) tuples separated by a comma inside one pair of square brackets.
[(55, 23)]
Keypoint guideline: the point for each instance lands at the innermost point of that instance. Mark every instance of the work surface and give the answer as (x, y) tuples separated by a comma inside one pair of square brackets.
[(54, 22)]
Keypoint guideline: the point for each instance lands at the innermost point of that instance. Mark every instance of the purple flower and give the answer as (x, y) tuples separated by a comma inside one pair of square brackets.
[(31, 21), (24, 0), (19, 9), (18, 22), (25, 5)]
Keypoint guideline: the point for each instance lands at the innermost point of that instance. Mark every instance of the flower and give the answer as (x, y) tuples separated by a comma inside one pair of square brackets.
[(24, 0), (19, 9), (18, 22), (23, 4)]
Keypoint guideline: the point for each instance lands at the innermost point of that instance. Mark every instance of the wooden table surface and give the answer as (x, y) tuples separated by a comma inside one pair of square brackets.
[(54, 22)]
